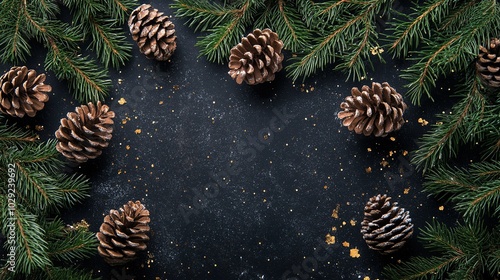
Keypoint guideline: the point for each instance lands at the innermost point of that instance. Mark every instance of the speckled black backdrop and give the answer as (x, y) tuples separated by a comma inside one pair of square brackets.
[(228, 202)]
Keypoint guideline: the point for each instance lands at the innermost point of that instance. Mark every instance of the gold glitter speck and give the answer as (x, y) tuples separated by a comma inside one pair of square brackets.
[(354, 253), (345, 244), (138, 131), (441, 208), (329, 239), (122, 101), (335, 212)]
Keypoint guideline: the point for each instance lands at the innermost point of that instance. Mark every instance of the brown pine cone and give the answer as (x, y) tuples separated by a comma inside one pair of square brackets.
[(257, 58), (377, 110), (386, 227), (84, 133), (124, 233), (488, 64), (23, 92), (153, 32)]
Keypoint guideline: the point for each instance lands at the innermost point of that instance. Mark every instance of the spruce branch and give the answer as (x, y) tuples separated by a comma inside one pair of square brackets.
[(474, 193), (339, 41), (407, 32), (446, 136), (463, 252), (203, 15)]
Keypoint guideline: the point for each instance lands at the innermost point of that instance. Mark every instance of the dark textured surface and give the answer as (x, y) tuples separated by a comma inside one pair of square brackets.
[(270, 201)]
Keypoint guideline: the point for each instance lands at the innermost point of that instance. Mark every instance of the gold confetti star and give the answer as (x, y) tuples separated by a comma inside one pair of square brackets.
[(345, 244)]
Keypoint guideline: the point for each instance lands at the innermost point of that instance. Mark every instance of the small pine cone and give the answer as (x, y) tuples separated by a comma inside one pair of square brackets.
[(23, 92), (378, 110), (84, 133), (124, 233), (257, 58), (385, 227), (153, 32), (488, 64)]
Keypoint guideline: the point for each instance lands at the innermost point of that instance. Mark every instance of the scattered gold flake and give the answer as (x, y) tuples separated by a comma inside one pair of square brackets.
[(345, 244), (405, 153), (79, 225), (176, 87), (38, 127), (334, 229), (325, 187), (369, 149), (368, 169), (122, 101), (376, 50), (366, 278), (344, 223), (391, 153), (406, 190), (138, 131), (124, 121), (119, 171), (329, 239), (439, 123), (127, 147), (161, 102), (352, 222), (441, 208), (384, 163), (354, 253), (392, 139), (422, 121), (335, 212)]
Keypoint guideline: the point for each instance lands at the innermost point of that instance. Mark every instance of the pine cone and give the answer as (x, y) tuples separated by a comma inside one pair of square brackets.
[(257, 58), (123, 233), (84, 133), (23, 92), (378, 110), (488, 63), (385, 227), (153, 32)]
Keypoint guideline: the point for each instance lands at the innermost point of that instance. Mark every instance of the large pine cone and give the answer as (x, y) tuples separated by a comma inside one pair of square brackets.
[(257, 58), (153, 32), (385, 227), (23, 92), (123, 233), (488, 63), (378, 110), (84, 133)]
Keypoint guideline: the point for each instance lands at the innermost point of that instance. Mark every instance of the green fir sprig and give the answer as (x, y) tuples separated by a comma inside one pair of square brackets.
[(34, 188), (317, 33), (95, 23), (467, 251)]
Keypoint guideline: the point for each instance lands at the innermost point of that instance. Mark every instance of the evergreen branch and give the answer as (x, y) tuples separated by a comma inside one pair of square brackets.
[(451, 52), (217, 45), (74, 189), (458, 17), (88, 82), (443, 141), (14, 47), (12, 136), (406, 34), (120, 9), (111, 46), (70, 245), (203, 15), (31, 247), (463, 252), (322, 53), (307, 9), (475, 193)]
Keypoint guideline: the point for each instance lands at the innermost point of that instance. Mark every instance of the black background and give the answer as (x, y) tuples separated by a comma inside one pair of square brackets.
[(273, 211)]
